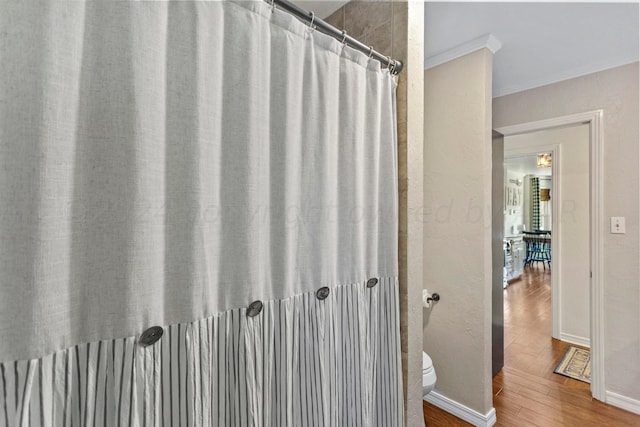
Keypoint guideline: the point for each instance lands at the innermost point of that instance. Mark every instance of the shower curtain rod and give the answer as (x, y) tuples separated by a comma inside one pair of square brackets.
[(395, 65)]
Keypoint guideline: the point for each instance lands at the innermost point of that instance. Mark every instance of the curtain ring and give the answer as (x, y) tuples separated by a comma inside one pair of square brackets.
[(370, 51), (344, 36), (273, 5), (313, 18), (391, 65)]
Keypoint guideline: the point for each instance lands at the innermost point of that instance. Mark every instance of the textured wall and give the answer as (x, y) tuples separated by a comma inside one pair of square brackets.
[(411, 292), (615, 91), (397, 29), (457, 231)]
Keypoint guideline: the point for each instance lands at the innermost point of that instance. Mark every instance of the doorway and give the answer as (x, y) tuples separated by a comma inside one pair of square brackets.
[(533, 207), (591, 126)]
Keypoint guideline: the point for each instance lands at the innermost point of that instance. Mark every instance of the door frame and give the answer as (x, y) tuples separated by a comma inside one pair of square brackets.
[(596, 217)]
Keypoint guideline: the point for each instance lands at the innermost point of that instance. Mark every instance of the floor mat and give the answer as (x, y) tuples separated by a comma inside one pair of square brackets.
[(576, 364)]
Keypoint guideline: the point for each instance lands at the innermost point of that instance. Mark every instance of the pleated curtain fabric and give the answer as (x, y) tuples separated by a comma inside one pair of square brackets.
[(167, 164)]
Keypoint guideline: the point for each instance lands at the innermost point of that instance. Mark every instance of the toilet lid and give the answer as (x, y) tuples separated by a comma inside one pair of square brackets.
[(427, 364)]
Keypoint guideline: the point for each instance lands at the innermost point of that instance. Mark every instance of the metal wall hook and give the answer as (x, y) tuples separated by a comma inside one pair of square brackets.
[(435, 297)]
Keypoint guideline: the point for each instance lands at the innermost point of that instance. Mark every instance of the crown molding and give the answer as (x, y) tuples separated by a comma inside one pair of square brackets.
[(486, 41)]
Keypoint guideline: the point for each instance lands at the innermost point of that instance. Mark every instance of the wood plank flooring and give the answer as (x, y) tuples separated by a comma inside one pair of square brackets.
[(527, 392)]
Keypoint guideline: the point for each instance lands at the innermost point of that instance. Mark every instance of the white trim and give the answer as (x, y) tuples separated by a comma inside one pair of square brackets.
[(574, 339), (486, 41), (623, 402), (461, 411), (556, 242), (554, 122), (596, 173), (597, 257)]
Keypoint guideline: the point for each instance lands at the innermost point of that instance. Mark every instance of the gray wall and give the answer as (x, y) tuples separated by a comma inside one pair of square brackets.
[(616, 92), (457, 230)]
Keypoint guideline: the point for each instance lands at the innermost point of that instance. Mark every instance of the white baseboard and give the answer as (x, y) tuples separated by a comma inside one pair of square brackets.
[(623, 402), (574, 339), (461, 411)]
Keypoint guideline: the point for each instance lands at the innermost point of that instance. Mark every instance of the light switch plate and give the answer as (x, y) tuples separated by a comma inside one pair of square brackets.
[(617, 225)]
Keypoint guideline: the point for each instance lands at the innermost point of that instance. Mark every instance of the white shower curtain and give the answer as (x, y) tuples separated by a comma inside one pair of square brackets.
[(167, 164)]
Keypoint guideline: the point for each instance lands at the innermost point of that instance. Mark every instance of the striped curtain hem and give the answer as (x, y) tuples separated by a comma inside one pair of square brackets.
[(301, 362)]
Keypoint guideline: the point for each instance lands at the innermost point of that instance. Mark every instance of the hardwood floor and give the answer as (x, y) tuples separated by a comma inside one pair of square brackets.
[(527, 392)]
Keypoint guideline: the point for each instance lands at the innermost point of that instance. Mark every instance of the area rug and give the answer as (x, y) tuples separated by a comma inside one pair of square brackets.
[(576, 364)]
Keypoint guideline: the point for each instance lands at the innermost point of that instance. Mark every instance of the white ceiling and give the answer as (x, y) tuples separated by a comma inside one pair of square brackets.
[(541, 42), (321, 8), (526, 165)]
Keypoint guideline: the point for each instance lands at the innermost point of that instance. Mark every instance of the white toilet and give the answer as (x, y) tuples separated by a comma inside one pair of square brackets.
[(428, 374)]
